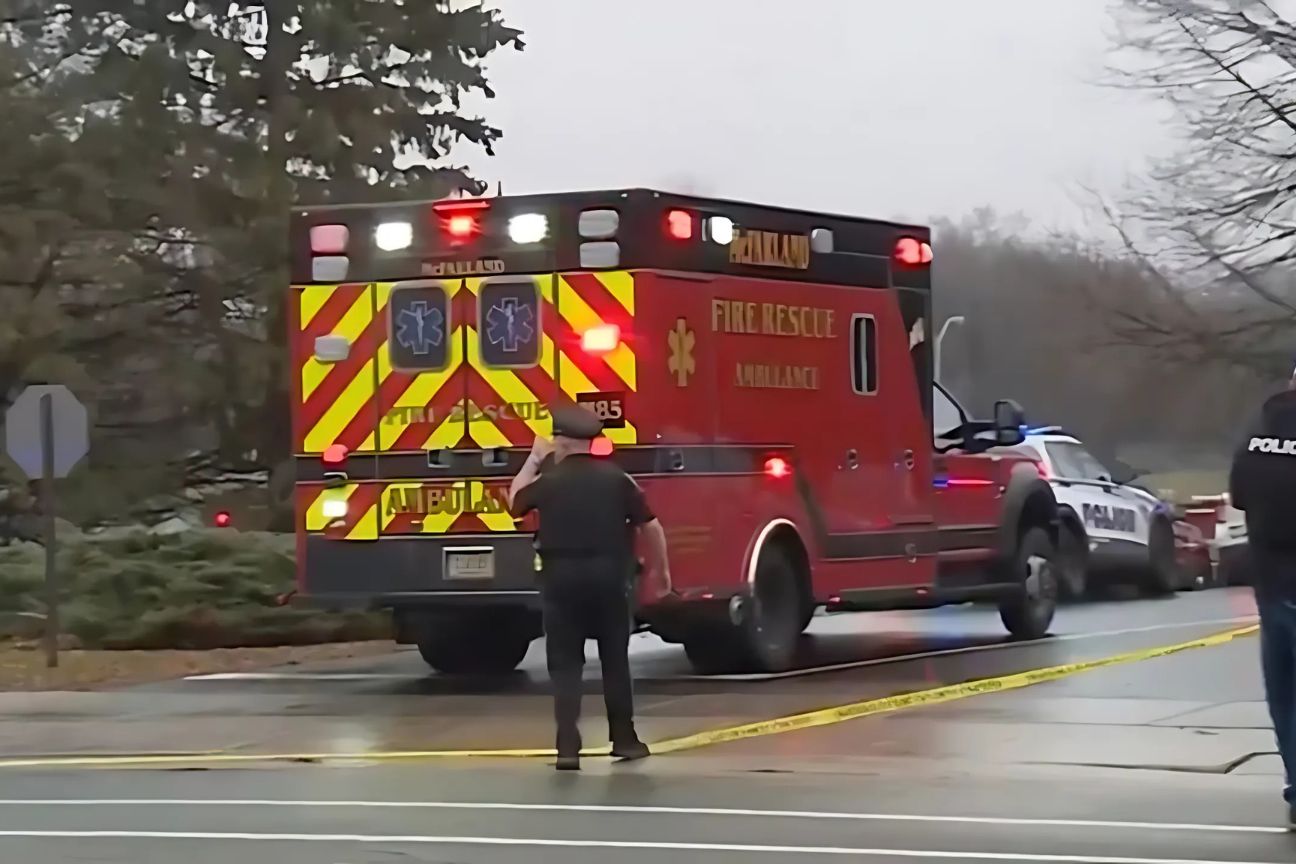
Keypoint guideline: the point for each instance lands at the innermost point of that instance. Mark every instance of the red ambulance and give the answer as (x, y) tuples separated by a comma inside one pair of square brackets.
[(764, 373)]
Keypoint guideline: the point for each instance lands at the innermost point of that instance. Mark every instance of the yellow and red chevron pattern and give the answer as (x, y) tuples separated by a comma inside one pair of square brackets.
[(365, 405)]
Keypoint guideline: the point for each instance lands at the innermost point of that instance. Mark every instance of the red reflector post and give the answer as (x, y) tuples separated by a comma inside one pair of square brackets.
[(222, 519), (601, 339), (679, 224), (777, 466), (334, 454)]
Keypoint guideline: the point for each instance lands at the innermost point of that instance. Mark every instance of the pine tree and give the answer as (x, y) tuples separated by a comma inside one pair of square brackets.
[(257, 108)]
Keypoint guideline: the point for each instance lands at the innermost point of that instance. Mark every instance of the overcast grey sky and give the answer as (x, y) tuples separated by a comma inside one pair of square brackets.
[(890, 108)]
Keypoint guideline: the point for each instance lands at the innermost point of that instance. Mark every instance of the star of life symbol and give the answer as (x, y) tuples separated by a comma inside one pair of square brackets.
[(419, 327), (510, 324), (680, 360)]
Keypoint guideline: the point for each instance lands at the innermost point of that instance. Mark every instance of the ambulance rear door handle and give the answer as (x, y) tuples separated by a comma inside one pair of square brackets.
[(852, 459)]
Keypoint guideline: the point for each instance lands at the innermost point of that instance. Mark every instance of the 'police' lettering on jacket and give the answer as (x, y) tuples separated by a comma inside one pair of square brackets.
[(1283, 446)]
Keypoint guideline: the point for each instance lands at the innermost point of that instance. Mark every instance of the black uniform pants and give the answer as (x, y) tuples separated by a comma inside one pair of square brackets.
[(588, 600)]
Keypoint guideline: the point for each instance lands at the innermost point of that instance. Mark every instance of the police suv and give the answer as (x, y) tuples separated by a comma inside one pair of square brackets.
[(1111, 530)]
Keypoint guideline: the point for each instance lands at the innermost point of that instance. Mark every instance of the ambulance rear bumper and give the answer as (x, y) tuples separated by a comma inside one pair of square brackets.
[(410, 571)]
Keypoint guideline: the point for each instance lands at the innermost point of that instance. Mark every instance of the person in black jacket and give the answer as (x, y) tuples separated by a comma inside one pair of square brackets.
[(1262, 483), (590, 512)]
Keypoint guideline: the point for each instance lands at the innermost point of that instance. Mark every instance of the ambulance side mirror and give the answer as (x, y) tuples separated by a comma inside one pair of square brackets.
[(1009, 419)]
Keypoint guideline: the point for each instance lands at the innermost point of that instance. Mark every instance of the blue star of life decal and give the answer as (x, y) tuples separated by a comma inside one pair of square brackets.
[(510, 324), (420, 327)]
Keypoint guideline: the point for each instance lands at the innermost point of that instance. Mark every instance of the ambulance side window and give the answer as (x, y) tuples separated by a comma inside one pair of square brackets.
[(864, 354)]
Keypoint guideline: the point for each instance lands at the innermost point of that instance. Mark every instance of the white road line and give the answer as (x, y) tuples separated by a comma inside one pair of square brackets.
[(422, 839), (756, 676), (628, 808)]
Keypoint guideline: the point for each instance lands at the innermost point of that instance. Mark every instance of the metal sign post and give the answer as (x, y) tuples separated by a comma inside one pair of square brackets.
[(46, 434), (51, 530)]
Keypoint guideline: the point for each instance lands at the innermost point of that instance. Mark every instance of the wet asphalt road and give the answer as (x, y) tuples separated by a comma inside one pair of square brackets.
[(881, 788)]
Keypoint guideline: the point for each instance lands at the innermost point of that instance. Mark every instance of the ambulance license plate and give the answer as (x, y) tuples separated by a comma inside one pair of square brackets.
[(475, 564)]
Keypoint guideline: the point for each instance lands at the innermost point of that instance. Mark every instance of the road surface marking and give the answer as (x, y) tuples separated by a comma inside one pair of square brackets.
[(753, 676), (823, 717), (423, 839), (632, 809), (934, 696), (944, 652)]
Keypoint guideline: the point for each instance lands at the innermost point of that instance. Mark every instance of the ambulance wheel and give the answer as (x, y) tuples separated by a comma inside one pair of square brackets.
[(1073, 562), (1162, 575), (485, 644), (1028, 612), (769, 625)]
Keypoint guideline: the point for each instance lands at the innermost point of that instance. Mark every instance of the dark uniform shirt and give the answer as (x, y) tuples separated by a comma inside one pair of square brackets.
[(588, 508), (1262, 483)]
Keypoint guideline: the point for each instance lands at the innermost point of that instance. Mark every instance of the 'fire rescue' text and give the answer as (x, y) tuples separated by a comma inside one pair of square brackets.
[(770, 319)]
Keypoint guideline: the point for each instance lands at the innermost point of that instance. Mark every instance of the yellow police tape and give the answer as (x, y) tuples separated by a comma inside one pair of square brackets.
[(935, 696), (778, 725)]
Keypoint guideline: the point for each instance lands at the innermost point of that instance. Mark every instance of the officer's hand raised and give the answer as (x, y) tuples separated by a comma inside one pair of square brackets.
[(541, 448)]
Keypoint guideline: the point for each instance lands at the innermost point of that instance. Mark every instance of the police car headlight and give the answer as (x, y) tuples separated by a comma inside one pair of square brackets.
[(394, 236), (334, 508)]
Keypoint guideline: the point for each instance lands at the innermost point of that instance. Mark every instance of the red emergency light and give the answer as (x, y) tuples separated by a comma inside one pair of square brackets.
[(601, 446), (679, 224), (913, 252), (460, 219), (601, 339), (334, 454), (777, 467), (222, 519)]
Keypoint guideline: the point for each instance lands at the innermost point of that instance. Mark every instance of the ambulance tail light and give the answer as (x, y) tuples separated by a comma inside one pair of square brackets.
[(912, 252), (329, 239), (601, 446), (334, 454), (777, 467), (601, 339), (679, 224)]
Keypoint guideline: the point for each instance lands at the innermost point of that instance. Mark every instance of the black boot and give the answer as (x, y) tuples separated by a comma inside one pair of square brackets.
[(569, 748), (627, 746)]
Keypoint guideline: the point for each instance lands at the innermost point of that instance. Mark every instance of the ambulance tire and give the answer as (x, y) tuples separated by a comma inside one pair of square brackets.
[(1162, 575), (1028, 613), (484, 644), (1073, 562), (773, 617)]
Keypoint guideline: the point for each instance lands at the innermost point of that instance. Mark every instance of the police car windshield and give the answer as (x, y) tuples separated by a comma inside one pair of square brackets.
[(1073, 461)]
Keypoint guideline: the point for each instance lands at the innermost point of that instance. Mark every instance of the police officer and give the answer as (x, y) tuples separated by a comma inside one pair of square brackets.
[(1262, 483), (589, 513)]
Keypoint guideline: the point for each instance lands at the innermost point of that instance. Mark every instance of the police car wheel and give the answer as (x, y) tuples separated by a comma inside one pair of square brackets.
[(1027, 613), (1162, 575)]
